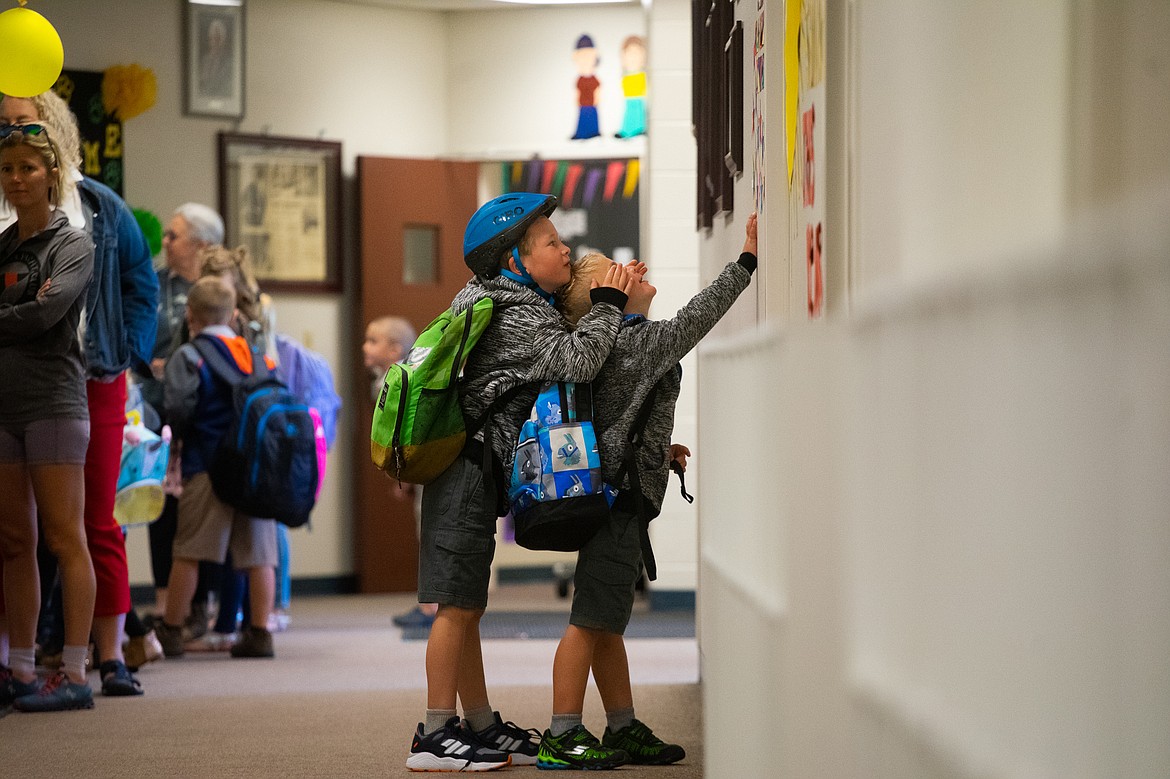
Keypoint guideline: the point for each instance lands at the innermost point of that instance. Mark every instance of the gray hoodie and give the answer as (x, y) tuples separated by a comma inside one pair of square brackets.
[(527, 342)]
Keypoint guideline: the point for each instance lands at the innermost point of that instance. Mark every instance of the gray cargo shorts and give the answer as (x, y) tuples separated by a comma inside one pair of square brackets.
[(608, 568), (458, 541)]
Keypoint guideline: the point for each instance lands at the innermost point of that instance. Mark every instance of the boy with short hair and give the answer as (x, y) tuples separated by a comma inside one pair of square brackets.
[(519, 261), (199, 407), (388, 340), (642, 367)]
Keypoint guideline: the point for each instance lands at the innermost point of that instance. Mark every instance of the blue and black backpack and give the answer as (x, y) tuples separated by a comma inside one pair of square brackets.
[(267, 463), (556, 492)]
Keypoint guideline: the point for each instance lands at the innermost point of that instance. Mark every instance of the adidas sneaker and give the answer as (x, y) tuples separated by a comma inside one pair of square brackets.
[(452, 748), (522, 744)]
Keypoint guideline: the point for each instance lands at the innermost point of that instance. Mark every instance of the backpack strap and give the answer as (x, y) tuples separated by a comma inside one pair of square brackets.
[(630, 467), (492, 484), (682, 481), (221, 366)]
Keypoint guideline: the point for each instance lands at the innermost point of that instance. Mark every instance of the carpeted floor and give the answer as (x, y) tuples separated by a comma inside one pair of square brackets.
[(341, 699), (521, 625)]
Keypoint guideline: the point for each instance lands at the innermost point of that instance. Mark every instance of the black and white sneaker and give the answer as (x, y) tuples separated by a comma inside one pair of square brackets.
[(516, 741), (452, 748)]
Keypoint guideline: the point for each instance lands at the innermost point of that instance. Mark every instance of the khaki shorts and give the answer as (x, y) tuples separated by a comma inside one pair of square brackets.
[(208, 528)]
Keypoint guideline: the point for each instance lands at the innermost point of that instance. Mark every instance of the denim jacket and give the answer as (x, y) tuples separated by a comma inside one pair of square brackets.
[(122, 301)]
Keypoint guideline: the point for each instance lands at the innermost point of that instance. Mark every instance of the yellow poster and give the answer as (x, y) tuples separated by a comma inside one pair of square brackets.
[(791, 80)]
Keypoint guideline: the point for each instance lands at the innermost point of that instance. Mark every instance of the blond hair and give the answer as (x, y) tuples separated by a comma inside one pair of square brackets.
[(573, 299), (235, 266), (50, 154), (211, 302), (54, 113)]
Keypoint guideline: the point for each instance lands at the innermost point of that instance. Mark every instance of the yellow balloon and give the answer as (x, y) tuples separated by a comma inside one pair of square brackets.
[(32, 53)]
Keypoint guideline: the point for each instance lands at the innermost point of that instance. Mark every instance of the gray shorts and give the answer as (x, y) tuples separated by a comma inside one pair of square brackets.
[(608, 568), (457, 541), (207, 528), (54, 441)]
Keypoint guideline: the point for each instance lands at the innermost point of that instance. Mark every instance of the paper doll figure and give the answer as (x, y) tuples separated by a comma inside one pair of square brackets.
[(585, 58), (634, 86)]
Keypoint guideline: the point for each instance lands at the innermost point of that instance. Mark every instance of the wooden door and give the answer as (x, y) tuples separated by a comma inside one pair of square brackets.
[(425, 203)]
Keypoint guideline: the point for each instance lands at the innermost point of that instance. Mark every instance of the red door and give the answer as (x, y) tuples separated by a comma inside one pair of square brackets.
[(413, 213)]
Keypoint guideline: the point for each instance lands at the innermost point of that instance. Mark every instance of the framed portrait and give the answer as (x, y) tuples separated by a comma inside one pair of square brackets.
[(213, 46), (281, 198)]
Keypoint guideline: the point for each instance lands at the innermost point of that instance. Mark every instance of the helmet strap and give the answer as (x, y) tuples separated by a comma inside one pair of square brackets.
[(524, 278)]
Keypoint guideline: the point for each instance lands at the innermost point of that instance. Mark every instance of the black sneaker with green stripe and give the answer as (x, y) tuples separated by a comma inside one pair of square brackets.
[(643, 747), (577, 748)]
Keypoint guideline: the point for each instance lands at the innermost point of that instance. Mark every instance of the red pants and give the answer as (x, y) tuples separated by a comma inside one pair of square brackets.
[(103, 458), (107, 545)]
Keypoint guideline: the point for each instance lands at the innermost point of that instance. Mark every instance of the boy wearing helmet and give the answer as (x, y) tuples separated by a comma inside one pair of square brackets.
[(519, 261)]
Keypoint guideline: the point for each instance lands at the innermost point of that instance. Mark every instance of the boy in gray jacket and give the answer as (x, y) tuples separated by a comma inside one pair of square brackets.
[(519, 261), (643, 367)]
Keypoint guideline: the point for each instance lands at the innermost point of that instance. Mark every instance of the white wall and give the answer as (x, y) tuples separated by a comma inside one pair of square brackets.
[(672, 252), (942, 549), (512, 87), (946, 554)]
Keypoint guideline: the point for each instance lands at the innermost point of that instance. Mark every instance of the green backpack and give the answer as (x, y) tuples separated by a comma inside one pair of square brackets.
[(418, 427)]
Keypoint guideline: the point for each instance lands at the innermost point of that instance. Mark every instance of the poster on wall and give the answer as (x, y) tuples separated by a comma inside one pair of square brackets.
[(759, 166), (102, 150), (597, 201), (591, 123), (810, 158)]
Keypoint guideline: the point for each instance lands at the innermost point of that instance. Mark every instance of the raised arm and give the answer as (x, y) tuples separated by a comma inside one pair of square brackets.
[(654, 346)]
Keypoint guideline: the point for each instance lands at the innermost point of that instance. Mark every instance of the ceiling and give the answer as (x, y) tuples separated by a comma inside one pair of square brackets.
[(442, 5)]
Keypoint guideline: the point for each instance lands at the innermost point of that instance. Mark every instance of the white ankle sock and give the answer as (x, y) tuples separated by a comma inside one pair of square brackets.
[(73, 661), (22, 661)]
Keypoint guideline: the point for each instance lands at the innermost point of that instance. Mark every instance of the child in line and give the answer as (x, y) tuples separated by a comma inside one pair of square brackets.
[(255, 320), (199, 407), (388, 340), (519, 261), (644, 361)]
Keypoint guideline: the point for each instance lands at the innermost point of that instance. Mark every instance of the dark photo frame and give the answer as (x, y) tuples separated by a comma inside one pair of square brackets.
[(281, 198), (213, 50), (733, 52)]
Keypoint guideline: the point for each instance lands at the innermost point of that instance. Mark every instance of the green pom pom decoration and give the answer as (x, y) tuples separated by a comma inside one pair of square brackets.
[(151, 227)]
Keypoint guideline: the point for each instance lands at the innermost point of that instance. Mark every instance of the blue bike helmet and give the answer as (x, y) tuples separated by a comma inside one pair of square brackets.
[(498, 225)]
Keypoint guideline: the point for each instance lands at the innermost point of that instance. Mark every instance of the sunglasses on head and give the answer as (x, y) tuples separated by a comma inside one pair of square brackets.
[(23, 129)]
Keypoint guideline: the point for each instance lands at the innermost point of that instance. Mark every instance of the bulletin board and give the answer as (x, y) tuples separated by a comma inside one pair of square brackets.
[(597, 201), (102, 148)]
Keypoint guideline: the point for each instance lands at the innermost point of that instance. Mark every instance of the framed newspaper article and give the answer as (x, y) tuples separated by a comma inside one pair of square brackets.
[(281, 198)]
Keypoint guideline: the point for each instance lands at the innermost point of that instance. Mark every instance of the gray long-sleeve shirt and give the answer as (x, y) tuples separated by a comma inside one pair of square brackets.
[(647, 354), (42, 369)]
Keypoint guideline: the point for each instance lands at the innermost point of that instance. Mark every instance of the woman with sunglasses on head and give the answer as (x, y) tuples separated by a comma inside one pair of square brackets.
[(45, 269), (119, 330)]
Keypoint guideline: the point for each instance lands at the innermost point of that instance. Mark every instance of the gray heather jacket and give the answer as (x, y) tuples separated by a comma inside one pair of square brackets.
[(647, 354), (527, 342)]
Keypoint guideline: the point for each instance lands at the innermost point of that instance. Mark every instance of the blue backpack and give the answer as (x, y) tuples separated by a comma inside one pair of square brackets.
[(557, 495), (267, 463)]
